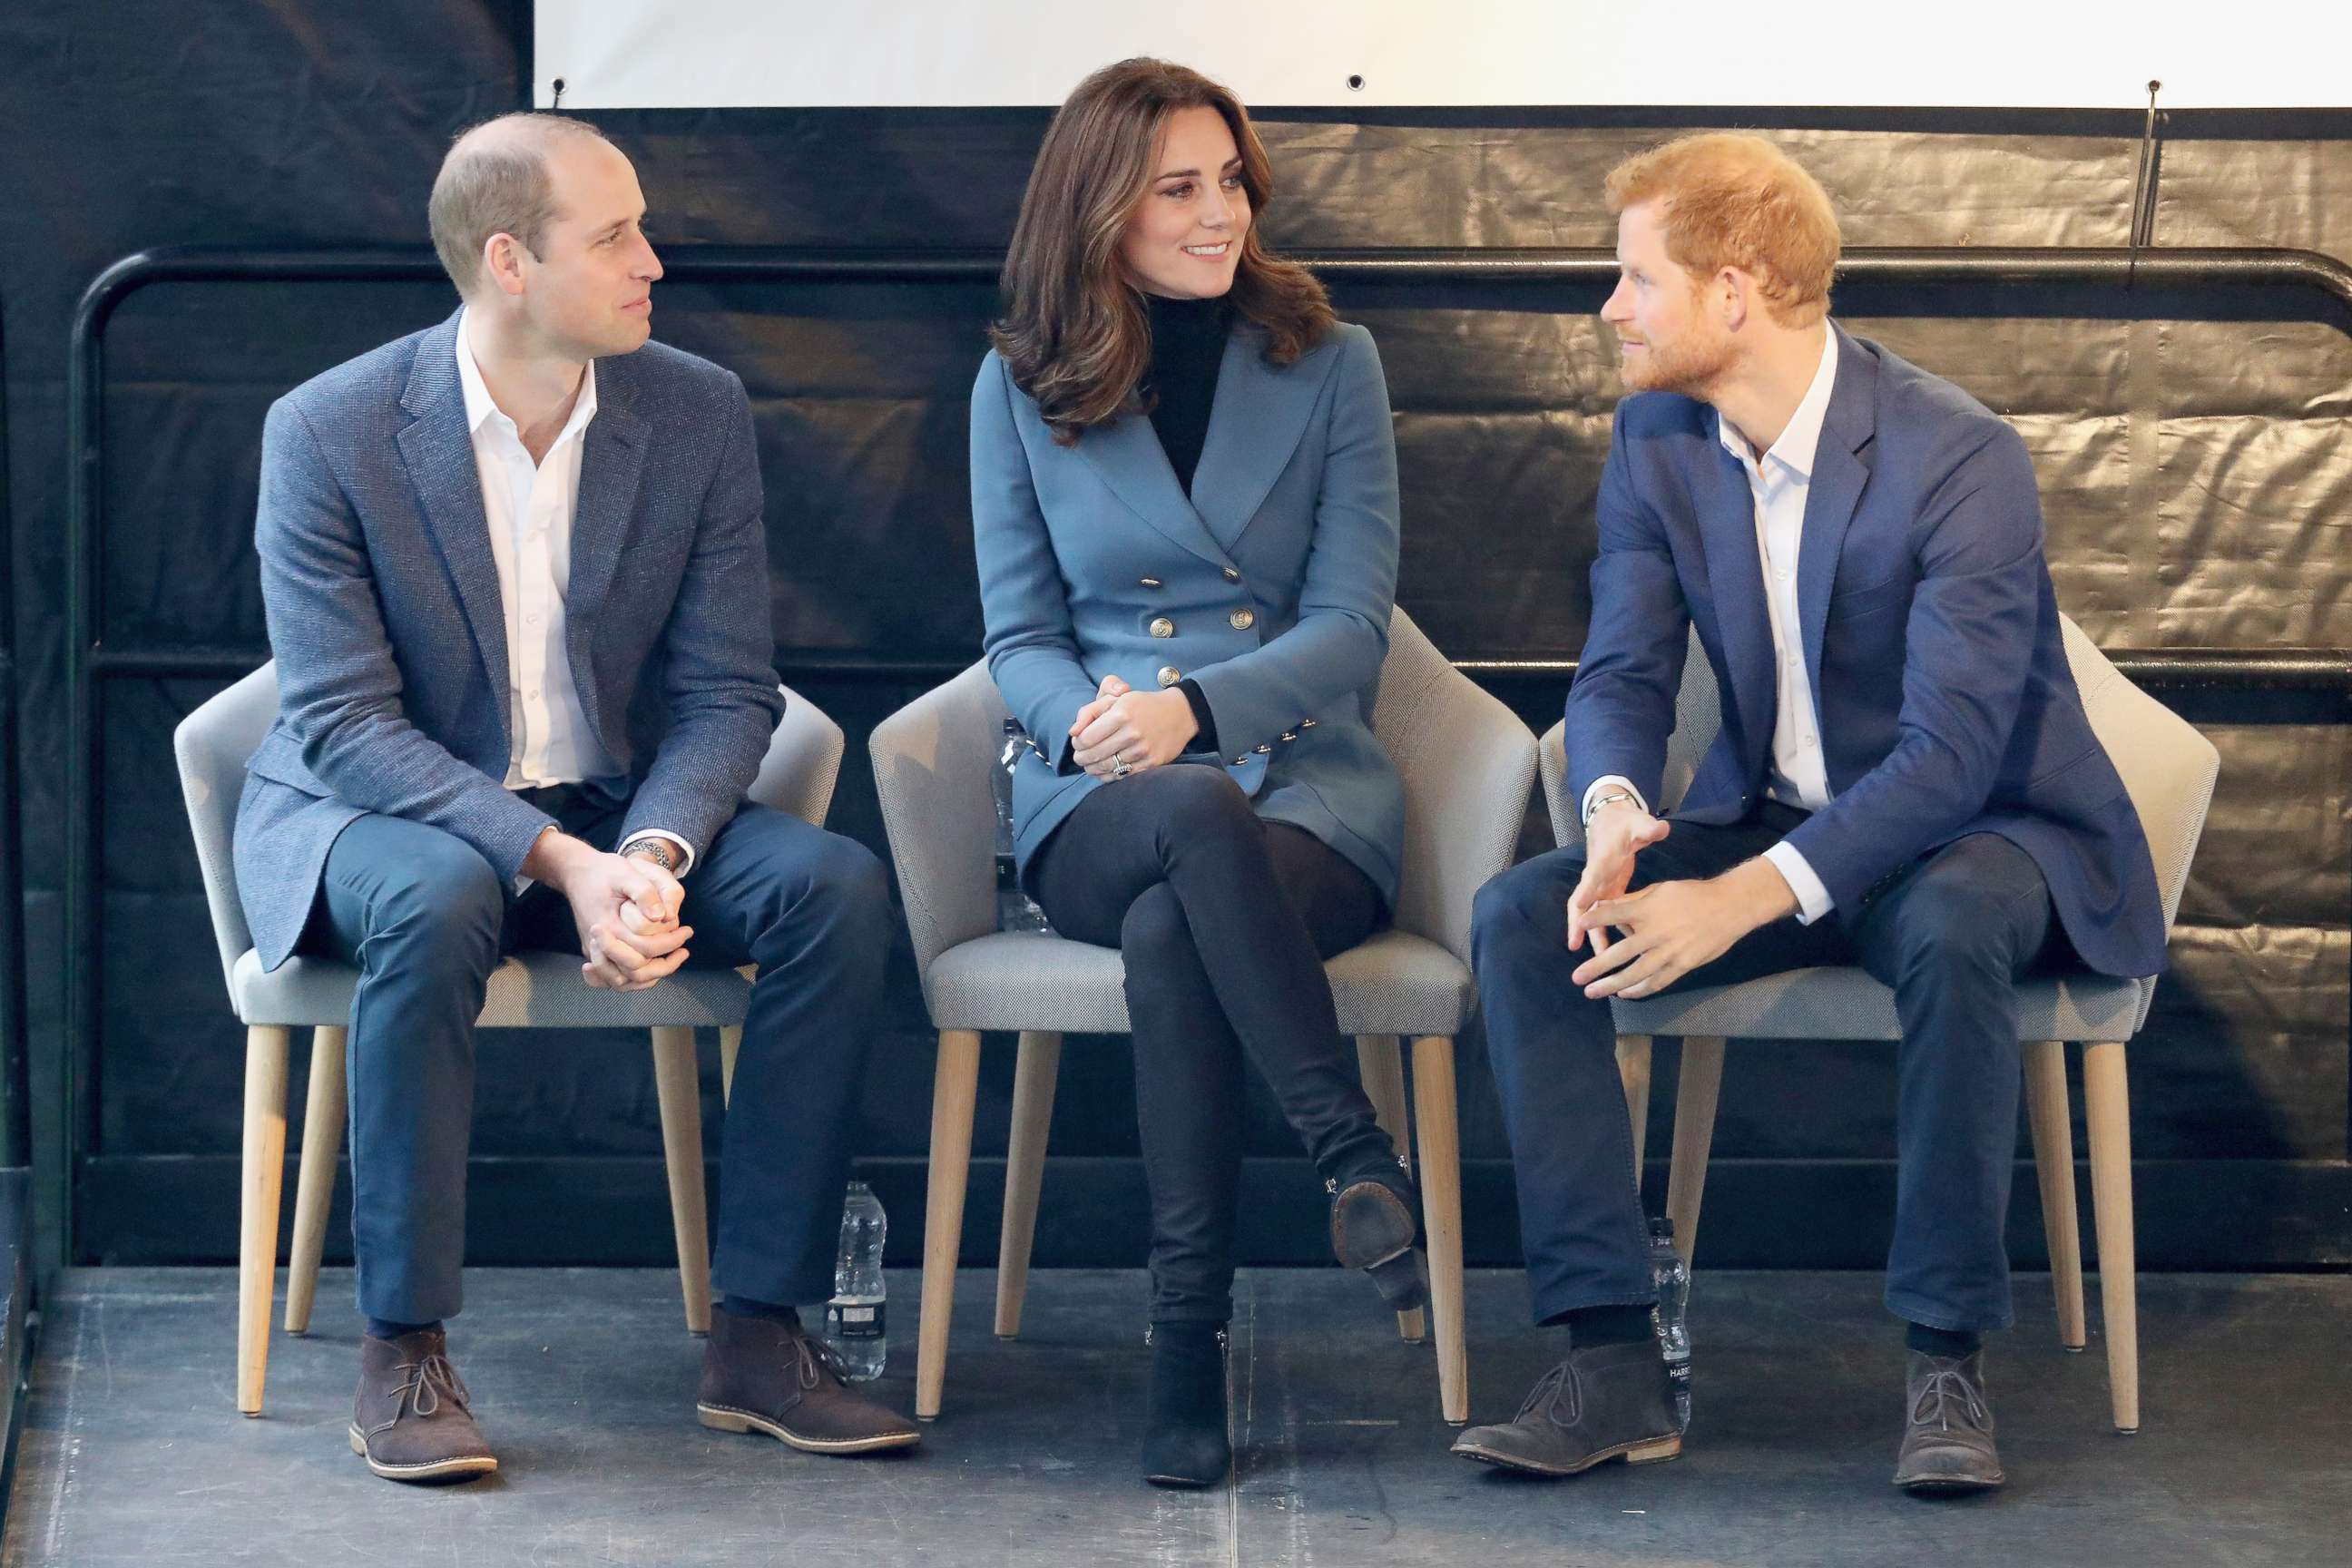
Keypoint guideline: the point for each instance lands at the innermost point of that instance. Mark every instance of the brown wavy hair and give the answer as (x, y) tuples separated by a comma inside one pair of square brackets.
[(1075, 333)]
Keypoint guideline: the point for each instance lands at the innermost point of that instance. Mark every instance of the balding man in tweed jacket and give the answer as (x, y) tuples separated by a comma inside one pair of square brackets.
[(516, 576)]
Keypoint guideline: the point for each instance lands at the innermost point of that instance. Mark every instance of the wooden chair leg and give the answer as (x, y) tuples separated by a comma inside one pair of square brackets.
[(266, 1049), (2053, 1168), (314, 1183), (731, 1046), (1634, 1070), (1437, 1123), (678, 1087), (1037, 1060), (1379, 1061), (954, 1086), (1694, 1101), (2106, 1118)]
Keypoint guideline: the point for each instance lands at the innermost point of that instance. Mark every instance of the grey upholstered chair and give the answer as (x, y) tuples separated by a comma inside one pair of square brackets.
[(537, 990), (2169, 769), (1468, 765)]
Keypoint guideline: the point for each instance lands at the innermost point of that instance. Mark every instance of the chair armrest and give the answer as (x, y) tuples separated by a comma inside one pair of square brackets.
[(931, 761), (803, 762), (1468, 765)]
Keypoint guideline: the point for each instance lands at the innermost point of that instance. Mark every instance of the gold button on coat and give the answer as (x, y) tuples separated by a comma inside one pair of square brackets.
[(1242, 620), (1169, 675), (1162, 626)]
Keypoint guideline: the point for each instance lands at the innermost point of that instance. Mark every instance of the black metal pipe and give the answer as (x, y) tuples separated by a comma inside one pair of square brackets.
[(88, 664), (15, 1083)]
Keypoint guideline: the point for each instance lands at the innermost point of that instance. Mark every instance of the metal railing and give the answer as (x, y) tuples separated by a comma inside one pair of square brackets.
[(66, 1125)]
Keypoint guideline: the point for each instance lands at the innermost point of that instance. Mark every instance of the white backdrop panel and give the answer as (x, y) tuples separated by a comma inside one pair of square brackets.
[(652, 54)]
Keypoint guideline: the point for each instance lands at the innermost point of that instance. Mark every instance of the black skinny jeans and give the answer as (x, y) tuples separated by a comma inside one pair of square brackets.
[(1224, 919)]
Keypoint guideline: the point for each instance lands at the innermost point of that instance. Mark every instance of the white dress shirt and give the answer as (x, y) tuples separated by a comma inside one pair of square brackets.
[(530, 508), (1779, 483)]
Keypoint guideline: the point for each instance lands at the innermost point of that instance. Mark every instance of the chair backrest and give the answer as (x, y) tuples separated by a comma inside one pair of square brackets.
[(1466, 762), (213, 744)]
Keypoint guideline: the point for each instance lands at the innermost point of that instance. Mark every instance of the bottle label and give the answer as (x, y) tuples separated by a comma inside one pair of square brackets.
[(860, 1321)]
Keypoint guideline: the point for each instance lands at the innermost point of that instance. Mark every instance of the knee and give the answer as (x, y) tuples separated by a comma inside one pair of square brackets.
[(1528, 898), (1948, 923), (443, 908), (1154, 923), (1196, 803), (840, 890)]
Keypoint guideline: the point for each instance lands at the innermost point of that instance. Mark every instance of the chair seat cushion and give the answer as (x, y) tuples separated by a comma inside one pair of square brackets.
[(529, 990), (1393, 984), (1848, 1005)]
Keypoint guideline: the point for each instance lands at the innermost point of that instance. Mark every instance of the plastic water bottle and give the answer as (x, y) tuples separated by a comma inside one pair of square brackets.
[(1015, 910), (1669, 1317), (854, 1321)]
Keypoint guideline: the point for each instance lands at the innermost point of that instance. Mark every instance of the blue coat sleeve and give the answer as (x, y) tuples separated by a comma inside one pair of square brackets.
[(720, 678), (1620, 709), (339, 690), (1964, 671), (1032, 647), (1344, 603)]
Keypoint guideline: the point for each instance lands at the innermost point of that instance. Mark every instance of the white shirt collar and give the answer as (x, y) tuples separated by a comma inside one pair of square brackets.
[(1794, 450), (480, 410)]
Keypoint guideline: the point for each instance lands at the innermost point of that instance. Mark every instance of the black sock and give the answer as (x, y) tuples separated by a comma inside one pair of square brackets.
[(1591, 1326), (1957, 1343), (744, 1307), (386, 1329)]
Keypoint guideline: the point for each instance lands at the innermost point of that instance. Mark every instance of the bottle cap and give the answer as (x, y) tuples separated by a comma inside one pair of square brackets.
[(1661, 1228)]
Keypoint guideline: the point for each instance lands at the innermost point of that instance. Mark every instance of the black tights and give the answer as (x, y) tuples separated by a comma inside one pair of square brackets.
[(1224, 919)]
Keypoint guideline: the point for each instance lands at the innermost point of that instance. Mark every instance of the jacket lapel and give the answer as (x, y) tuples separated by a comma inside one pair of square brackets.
[(611, 465), (1255, 423), (439, 452), (1735, 570), (1127, 455), (1841, 470)]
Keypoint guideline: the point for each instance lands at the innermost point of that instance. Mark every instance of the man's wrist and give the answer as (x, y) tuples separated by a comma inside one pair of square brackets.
[(552, 854), (1764, 894), (654, 847)]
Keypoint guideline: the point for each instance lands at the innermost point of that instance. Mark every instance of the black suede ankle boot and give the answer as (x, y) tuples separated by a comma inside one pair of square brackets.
[(1184, 1420), (1376, 1223)]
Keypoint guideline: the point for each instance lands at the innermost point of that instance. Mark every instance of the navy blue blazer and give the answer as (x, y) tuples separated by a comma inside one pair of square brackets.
[(1931, 635), (390, 633), (1270, 584)]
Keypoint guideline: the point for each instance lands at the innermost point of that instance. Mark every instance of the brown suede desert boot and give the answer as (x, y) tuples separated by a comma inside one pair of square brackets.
[(1947, 1441), (1607, 1403), (770, 1374), (410, 1420)]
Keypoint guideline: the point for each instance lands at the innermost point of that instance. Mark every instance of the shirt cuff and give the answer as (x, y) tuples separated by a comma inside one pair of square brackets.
[(684, 850), (1813, 900), (1206, 722), (1601, 786)]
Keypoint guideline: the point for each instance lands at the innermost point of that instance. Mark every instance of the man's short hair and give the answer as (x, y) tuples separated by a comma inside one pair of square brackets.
[(495, 181), (1731, 199)]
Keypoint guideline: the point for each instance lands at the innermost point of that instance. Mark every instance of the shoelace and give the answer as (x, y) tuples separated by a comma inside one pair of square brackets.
[(1945, 1387), (1547, 1391), (429, 1379), (815, 1358)]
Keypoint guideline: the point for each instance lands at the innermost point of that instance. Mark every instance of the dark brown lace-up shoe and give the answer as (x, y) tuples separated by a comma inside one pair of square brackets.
[(769, 1374), (1610, 1401), (410, 1420), (1947, 1444)]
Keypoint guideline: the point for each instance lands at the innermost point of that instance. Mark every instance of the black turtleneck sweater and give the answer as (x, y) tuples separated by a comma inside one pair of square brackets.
[(1188, 345)]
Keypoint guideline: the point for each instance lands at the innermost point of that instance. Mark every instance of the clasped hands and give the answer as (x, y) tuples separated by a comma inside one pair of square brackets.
[(1645, 942), (1122, 731), (625, 909)]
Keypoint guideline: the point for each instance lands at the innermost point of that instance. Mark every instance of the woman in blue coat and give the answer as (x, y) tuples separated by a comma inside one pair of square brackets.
[(1184, 504)]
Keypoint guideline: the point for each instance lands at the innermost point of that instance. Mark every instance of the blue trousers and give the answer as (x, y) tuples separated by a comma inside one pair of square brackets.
[(1951, 933), (426, 919)]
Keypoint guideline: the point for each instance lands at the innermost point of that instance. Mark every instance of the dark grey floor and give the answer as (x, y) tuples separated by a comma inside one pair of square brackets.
[(133, 1451)]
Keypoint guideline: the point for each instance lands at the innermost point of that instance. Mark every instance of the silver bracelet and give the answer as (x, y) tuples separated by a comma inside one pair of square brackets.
[(660, 851), (1594, 810)]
